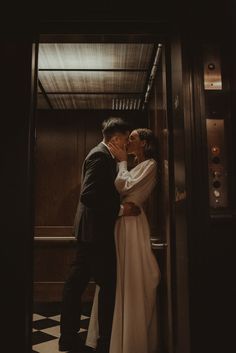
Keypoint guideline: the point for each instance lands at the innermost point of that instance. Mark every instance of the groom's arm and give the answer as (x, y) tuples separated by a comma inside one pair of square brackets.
[(95, 175), (129, 209)]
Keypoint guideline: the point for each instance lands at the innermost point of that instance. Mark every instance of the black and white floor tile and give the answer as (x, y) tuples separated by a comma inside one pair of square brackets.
[(46, 326)]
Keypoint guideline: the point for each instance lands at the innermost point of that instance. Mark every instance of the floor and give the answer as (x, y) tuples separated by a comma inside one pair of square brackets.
[(46, 329)]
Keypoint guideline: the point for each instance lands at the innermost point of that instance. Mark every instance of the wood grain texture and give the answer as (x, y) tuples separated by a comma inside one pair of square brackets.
[(63, 140)]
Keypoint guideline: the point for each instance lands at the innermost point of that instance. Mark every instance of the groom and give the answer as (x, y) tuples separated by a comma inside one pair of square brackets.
[(97, 211)]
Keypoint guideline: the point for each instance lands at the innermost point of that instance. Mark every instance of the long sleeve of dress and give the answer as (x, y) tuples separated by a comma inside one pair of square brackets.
[(143, 175)]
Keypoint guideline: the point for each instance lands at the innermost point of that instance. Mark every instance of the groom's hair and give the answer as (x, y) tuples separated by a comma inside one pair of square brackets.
[(114, 125)]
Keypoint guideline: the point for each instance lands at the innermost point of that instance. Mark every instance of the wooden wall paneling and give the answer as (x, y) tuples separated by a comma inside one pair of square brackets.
[(80, 155), (63, 140), (53, 231), (157, 123), (59, 158), (93, 134), (47, 292), (56, 178), (52, 261)]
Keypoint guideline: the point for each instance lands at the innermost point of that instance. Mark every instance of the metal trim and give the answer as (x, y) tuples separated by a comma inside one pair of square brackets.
[(56, 239)]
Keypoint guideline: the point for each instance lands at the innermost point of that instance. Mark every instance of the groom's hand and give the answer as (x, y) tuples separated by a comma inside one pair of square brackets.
[(130, 209)]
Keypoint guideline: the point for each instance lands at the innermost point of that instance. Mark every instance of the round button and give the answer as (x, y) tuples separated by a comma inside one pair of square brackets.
[(216, 160), (216, 174), (215, 150), (211, 66), (216, 184), (216, 193)]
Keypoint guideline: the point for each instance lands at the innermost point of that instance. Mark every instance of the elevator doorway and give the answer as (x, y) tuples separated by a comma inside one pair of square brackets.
[(81, 82)]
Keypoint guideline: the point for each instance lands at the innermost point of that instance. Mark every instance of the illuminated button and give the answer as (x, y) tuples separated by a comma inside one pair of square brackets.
[(216, 193), (211, 66), (216, 174), (216, 160), (216, 184), (215, 150)]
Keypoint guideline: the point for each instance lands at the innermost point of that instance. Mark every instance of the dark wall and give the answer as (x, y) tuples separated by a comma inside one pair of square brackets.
[(16, 195)]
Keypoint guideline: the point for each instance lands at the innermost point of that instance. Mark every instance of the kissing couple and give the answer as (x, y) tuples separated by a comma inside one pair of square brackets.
[(114, 248)]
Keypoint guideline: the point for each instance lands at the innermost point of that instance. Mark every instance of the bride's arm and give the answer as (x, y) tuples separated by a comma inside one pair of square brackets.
[(126, 181)]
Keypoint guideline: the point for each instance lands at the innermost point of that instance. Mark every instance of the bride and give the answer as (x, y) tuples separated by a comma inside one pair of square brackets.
[(134, 327)]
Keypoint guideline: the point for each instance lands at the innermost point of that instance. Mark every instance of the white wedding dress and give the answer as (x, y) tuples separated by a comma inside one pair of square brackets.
[(134, 328)]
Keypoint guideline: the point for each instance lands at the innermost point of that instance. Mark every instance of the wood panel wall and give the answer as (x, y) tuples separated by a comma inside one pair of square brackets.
[(157, 121), (63, 139)]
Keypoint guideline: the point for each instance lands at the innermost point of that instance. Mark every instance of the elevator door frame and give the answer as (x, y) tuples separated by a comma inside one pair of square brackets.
[(173, 50)]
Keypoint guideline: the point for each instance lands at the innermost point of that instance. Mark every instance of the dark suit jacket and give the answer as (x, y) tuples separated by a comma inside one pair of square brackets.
[(99, 202)]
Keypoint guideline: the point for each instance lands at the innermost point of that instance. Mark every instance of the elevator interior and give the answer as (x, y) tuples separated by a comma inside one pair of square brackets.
[(81, 83)]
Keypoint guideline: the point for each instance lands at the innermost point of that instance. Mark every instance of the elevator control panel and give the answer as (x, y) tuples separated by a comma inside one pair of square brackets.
[(216, 113), (217, 166)]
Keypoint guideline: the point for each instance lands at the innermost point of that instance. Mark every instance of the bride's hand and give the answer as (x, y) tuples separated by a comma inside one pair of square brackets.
[(118, 152)]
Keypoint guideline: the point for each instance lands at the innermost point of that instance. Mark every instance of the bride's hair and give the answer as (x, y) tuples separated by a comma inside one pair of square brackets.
[(151, 146)]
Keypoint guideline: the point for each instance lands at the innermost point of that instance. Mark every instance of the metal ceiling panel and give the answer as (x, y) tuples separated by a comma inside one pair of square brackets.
[(99, 81), (93, 75), (95, 55), (90, 102)]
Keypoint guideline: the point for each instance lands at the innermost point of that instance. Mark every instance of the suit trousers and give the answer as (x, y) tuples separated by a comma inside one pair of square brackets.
[(97, 261)]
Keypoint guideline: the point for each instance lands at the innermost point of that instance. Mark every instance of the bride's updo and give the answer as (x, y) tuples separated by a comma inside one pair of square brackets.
[(151, 146)]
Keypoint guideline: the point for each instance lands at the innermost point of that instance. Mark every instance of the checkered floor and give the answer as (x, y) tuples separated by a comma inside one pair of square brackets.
[(46, 329)]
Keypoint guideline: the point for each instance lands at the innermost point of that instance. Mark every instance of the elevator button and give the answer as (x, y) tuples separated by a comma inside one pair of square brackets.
[(211, 66), (216, 184), (216, 193), (215, 150), (216, 160), (216, 174)]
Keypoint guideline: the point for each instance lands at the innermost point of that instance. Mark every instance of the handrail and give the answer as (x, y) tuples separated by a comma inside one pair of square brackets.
[(63, 239), (154, 241)]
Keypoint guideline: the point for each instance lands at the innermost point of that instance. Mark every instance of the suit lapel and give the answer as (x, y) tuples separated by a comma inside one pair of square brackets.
[(113, 163)]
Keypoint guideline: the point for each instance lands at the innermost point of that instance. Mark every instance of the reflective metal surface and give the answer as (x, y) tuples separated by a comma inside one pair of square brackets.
[(217, 163)]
